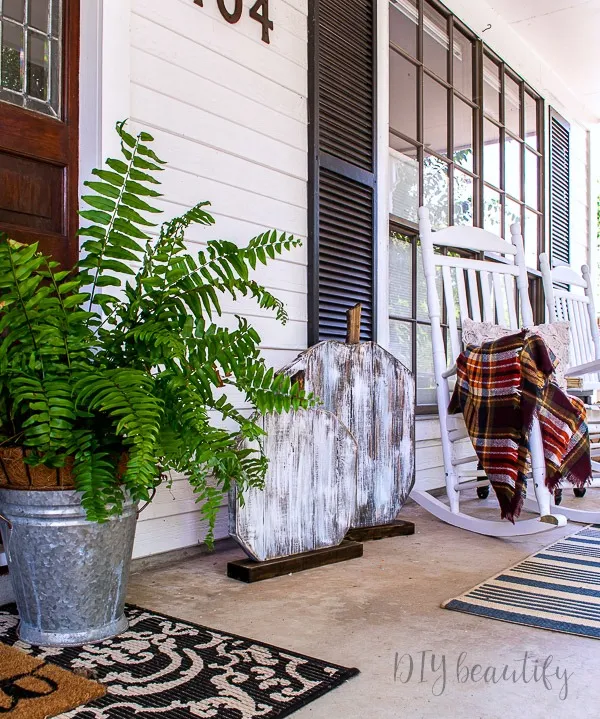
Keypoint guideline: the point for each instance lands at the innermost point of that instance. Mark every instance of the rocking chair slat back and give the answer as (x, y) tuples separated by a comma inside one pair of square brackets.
[(467, 284), (488, 315), (451, 311), (573, 304), (474, 295)]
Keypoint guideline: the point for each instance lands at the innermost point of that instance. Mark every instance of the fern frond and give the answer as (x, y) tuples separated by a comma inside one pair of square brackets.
[(127, 398), (47, 411), (94, 473), (139, 363), (115, 231)]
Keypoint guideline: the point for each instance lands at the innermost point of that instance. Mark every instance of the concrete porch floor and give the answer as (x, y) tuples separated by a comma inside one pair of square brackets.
[(364, 612)]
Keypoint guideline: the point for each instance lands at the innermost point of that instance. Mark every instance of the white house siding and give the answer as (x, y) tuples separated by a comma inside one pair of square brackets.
[(229, 114)]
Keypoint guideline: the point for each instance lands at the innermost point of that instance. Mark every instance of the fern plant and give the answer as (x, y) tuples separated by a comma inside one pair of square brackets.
[(124, 354)]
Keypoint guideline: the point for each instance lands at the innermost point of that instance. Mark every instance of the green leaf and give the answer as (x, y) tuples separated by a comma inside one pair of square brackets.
[(93, 231), (69, 286), (111, 177), (127, 228), (117, 266), (96, 216), (105, 301), (103, 188), (138, 189), (100, 203), (134, 201), (120, 253), (127, 138), (151, 282), (133, 216), (139, 176), (74, 300), (146, 165), (122, 240), (143, 150), (107, 281), (117, 165)]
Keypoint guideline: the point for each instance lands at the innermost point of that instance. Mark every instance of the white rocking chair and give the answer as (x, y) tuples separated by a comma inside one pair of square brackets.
[(480, 290), (566, 304)]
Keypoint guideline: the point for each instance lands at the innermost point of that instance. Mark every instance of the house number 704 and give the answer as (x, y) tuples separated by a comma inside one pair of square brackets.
[(259, 12)]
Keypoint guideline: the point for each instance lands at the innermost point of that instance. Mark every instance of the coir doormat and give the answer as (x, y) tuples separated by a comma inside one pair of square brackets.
[(31, 688), (170, 668), (556, 589)]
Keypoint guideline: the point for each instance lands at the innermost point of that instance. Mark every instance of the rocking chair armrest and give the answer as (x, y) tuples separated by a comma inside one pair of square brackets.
[(583, 369), (449, 372)]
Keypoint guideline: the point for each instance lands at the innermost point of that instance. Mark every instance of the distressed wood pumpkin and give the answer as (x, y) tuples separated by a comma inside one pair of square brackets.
[(310, 487), (373, 394)]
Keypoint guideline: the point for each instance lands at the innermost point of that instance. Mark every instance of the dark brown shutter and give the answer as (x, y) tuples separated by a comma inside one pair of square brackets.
[(342, 168), (559, 190), (39, 125)]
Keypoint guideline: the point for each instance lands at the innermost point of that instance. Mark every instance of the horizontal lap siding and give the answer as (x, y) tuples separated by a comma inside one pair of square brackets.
[(228, 113)]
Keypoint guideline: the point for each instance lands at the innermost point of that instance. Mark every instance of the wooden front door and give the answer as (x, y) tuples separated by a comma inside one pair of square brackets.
[(39, 111)]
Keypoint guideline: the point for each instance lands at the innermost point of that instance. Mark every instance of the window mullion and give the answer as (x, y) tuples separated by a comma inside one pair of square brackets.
[(415, 274), (450, 128), (479, 141), (503, 228)]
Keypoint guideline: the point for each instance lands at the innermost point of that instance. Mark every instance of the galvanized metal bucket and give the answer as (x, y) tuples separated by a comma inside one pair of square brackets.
[(69, 575)]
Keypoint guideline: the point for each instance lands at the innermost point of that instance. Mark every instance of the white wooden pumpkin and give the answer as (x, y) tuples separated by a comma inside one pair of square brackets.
[(373, 394), (310, 487)]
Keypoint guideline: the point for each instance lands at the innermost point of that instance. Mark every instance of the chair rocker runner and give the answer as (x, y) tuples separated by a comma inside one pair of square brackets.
[(479, 290), (575, 304)]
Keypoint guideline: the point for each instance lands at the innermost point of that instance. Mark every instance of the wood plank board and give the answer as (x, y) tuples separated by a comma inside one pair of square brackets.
[(245, 570), (310, 487), (373, 394), (399, 528)]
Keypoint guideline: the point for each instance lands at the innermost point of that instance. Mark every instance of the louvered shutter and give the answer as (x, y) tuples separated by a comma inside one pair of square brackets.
[(342, 166), (559, 190)]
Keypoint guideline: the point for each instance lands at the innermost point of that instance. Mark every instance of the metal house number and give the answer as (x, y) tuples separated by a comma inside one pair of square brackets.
[(259, 12)]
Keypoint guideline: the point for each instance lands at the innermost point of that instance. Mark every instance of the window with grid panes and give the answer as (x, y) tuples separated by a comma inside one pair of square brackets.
[(465, 142), (512, 157)]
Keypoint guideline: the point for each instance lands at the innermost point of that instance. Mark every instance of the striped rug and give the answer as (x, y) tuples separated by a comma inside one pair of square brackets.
[(557, 589)]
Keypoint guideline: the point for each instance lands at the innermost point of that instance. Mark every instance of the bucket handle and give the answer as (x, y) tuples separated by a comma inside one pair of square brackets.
[(10, 526), (144, 506)]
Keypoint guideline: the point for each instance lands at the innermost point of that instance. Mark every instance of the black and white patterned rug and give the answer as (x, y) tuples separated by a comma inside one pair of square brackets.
[(177, 670)]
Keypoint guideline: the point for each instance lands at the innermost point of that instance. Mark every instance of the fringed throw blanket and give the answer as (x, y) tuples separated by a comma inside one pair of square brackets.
[(499, 388)]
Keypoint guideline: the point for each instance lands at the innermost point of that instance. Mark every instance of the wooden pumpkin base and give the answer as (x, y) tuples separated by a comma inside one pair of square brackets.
[(399, 528), (247, 570)]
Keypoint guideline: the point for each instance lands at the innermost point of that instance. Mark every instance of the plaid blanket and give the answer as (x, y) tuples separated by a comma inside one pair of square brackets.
[(500, 387)]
